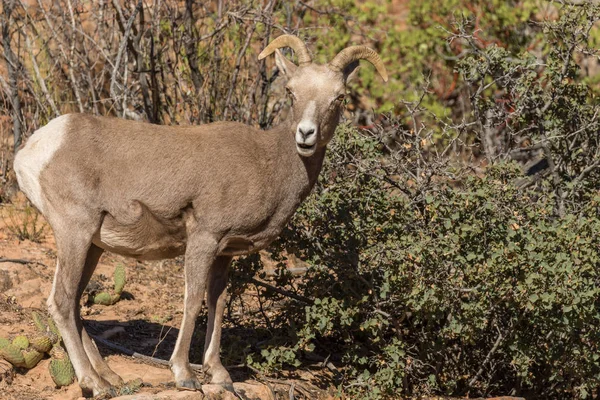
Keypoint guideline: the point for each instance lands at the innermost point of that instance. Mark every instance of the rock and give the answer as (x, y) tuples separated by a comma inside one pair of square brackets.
[(253, 391), (166, 395), (505, 398), (247, 391), (6, 371), (5, 281), (217, 392)]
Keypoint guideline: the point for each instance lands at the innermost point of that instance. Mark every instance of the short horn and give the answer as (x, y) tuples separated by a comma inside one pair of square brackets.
[(291, 41), (354, 53)]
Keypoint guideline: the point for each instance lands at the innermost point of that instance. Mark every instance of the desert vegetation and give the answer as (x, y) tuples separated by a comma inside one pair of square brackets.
[(451, 245)]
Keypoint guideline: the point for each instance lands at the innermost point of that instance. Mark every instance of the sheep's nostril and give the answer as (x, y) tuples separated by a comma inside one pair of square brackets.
[(306, 133)]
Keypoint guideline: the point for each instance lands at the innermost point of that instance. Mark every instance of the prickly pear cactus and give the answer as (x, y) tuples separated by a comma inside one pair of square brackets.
[(21, 342), (39, 322), (42, 343), (13, 355), (107, 299), (32, 357), (58, 352), (120, 279), (61, 371), (23, 352), (52, 328), (103, 298), (60, 367)]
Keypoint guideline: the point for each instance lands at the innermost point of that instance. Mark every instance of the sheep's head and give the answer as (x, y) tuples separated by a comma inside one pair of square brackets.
[(317, 91)]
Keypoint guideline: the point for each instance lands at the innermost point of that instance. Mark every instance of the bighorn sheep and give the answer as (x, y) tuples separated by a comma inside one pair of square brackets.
[(210, 192)]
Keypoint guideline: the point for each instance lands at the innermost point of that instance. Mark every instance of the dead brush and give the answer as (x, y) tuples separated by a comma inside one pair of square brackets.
[(25, 224)]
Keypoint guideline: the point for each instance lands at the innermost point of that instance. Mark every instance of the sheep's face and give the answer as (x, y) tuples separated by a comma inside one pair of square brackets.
[(317, 94)]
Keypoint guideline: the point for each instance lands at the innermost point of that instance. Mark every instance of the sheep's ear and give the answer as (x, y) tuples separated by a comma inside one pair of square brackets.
[(286, 67), (351, 71)]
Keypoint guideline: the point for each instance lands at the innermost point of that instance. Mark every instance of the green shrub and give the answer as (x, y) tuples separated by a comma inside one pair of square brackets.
[(432, 275), (477, 288)]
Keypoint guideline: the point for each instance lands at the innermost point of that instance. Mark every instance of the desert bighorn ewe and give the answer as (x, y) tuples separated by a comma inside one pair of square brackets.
[(210, 192)]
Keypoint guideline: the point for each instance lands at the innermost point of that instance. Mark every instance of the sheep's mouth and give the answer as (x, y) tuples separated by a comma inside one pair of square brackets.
[(305, 149)]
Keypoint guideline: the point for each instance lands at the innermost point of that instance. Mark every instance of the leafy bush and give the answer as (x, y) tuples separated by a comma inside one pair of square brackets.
[(476, 289)]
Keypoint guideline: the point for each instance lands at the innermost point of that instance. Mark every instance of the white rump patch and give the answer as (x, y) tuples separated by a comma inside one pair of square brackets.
[(31, 160)]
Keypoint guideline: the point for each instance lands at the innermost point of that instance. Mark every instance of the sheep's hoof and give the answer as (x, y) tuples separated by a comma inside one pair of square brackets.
[(229, 387), (99, 389), (188, 384)]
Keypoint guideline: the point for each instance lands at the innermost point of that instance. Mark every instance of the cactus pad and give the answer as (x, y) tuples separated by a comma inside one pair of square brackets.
[(39, 322), (61, 371), (52, 328), (32, 357), (120, 279), (103, 298), (13, 355), (4, 342), (41, 343), (21, 342), (58, 352)]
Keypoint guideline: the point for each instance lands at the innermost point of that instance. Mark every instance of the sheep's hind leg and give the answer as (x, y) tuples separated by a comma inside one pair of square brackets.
[(92, 352), (199, 256), (215, 299), (73, 245)]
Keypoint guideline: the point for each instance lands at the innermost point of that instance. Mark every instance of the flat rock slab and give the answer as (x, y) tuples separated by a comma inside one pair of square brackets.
[(253, 391), (247, 391), (168, 394)]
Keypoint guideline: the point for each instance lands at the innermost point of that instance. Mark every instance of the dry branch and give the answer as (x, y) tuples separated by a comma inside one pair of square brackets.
[(13, 66), (122, 46)]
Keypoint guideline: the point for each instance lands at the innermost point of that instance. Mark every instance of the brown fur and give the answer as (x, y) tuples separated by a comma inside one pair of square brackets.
[(149, 192)]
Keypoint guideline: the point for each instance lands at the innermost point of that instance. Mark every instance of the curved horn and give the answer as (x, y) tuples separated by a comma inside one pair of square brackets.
[(354, 53), (288, 41)]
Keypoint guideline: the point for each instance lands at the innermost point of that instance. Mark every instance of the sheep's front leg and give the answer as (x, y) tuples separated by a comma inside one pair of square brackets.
[(199, 256)]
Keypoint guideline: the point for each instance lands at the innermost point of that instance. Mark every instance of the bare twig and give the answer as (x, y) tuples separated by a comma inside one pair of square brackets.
[(12, 65), (22, 261), (38, 74), (148, 359), (122, 46), (487, 359), (576, 2), (134, 354), (236, 71), (282, 291), (61, 46)]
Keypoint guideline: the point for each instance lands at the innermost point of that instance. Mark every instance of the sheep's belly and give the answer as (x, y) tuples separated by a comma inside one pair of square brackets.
[(142, 241)]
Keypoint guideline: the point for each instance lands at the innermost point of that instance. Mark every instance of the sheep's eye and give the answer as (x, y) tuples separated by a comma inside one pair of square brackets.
[(290, 93), (341, 97)]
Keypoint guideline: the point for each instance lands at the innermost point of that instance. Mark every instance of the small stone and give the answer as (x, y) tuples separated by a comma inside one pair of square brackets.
[(253, 391), (7, 371), (217, 392)]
